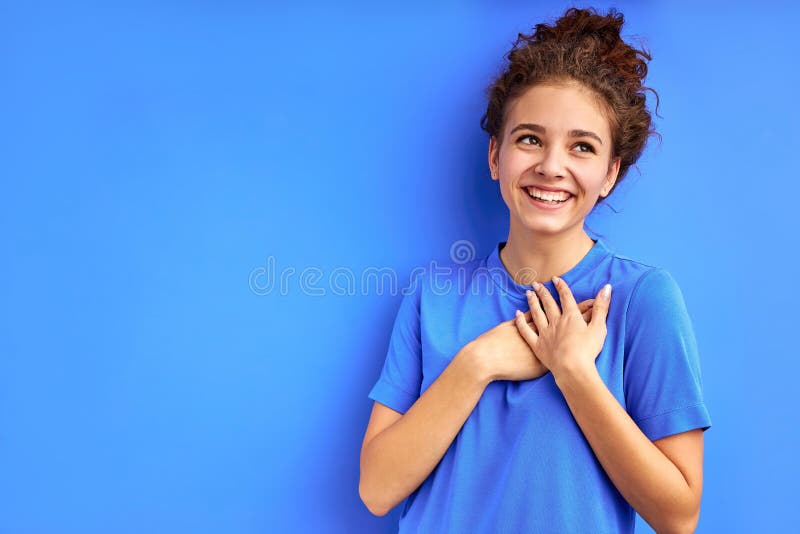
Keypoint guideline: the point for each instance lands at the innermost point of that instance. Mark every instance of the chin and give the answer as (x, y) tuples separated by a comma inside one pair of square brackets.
[(539, 227)]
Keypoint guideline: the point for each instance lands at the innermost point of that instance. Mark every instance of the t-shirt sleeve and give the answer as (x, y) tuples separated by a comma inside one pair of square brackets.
[(401, 377), (661, 375)]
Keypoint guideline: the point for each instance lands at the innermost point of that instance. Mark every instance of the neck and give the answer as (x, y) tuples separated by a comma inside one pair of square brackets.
[(529, 256)]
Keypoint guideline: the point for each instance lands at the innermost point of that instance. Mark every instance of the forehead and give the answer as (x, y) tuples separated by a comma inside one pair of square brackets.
[(559, 108)]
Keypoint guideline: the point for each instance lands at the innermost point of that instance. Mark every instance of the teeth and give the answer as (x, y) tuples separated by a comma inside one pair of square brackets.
[(546, 195)]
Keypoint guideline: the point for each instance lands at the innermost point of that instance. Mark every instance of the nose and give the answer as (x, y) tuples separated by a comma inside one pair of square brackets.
[(552, 164)]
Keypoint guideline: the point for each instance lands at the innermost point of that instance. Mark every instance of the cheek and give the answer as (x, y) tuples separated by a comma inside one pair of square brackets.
[(592, 182), (505, 192)]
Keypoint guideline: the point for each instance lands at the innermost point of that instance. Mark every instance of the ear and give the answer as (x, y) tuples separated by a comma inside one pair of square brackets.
[(611, 177), (493, 150)]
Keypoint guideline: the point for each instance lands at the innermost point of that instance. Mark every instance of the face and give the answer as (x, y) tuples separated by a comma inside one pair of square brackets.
[(556, 143)]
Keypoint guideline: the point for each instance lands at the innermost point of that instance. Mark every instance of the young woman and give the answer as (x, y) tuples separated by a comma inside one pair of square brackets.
[(571, 416)]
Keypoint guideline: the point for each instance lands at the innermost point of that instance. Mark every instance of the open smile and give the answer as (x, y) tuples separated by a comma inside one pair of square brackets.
[(547, 201)]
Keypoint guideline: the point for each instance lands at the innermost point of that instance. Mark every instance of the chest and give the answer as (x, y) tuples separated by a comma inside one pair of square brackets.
[(447, 326)]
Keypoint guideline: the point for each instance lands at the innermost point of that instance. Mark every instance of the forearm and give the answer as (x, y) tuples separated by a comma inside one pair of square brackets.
[(645, 477), (396, 461)]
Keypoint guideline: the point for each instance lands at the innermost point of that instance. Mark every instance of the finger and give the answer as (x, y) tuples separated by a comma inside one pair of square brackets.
[(529, 320), (585, 308), (537, 313), (513, 322), (568, 304), (525, 330), (548, 303), (585, 305), (600, 308)]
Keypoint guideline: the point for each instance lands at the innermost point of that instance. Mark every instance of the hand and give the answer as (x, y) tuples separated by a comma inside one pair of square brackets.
[(504, 354), (501, 353), (563, 341), (584, 306)]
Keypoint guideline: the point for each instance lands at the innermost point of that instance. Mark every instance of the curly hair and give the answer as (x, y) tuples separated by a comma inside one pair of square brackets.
[(581, 46)]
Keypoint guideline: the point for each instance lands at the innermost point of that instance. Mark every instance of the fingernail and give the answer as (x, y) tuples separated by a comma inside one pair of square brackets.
[(518, 313), (556, 280), (606, 291), (536, 285)]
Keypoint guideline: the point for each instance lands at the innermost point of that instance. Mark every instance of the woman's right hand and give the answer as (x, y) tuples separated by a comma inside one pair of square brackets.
[(502, 354)]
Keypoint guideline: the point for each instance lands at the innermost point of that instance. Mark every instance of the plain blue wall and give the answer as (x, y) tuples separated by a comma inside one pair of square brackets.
[(155, 156)]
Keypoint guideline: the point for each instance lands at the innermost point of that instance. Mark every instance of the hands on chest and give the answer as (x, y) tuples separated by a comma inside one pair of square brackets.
[(544, 338)]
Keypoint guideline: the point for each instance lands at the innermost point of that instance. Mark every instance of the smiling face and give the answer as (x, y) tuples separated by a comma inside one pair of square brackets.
[(556, 144)]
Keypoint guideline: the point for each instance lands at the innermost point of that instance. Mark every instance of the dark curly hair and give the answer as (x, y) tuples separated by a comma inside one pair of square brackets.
[(581, 46)]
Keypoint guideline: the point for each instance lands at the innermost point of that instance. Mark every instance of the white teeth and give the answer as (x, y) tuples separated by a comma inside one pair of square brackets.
[(547, 195)]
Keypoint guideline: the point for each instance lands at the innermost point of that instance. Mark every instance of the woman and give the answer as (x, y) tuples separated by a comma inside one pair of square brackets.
[(569, 417)]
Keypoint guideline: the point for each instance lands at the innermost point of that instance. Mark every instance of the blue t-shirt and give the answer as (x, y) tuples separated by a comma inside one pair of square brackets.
[(520, 462)]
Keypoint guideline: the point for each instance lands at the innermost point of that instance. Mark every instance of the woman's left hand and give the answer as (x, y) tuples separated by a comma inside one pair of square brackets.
[(563, 341)]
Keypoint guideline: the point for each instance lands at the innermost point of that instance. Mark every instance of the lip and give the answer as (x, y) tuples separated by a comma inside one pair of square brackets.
[(545, 206), (544, 188)]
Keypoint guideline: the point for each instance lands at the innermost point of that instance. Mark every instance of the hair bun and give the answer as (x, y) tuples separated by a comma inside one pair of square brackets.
[(593, 34), (577, 24)]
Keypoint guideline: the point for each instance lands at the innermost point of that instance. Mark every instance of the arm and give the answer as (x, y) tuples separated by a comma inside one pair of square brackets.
[(664, 487), (398, 459), (666, 495), (400, 450)]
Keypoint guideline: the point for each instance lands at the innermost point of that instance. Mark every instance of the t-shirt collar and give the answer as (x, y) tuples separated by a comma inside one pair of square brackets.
[(508, 286)]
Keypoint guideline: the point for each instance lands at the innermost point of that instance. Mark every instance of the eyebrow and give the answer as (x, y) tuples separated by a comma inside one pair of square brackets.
[(541, 129)]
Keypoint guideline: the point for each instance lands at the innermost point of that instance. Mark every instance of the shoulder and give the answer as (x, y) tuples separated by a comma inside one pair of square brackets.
[(647, 292), (656, 285), (641, 282), (654, 307)]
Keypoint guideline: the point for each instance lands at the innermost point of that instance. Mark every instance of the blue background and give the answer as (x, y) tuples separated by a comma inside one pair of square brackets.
[(153, 157)]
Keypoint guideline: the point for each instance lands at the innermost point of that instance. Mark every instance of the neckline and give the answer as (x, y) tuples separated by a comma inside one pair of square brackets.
[(508, 286)]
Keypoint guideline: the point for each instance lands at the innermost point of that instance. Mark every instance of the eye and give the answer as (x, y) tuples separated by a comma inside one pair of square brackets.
[(528, 136), (585, 147)]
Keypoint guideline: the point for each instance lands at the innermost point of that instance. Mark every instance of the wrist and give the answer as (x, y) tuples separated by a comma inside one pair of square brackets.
[(470, 359), (568, 376)]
